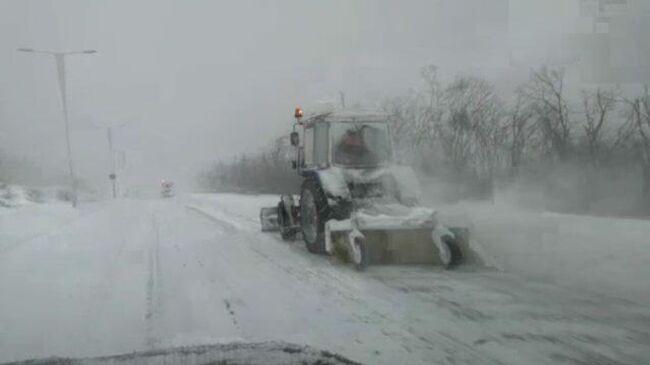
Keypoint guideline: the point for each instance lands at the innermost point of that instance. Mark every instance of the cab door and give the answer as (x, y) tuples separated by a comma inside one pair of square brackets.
[(316, 146)]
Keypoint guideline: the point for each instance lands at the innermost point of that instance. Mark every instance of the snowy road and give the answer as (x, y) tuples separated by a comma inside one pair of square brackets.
[(142, 274)]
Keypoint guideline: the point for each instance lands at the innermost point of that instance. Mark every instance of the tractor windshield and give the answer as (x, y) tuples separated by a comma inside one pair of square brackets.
[(360, 144)]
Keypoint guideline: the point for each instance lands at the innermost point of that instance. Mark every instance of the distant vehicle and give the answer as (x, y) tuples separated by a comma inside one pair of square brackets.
[(354, 197), (166, 189)]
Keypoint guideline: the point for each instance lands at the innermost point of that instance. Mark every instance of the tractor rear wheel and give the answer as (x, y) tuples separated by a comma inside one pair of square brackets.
[(314, 212)]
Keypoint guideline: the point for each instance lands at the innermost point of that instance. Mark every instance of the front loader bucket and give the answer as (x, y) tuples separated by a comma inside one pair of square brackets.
[(269, 219)]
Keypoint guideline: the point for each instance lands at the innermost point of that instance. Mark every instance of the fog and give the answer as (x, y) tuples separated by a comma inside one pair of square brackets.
[(191, 82), (495, 210)]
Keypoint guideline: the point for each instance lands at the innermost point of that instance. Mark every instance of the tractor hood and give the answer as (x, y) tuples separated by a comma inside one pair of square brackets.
[(400, 181)]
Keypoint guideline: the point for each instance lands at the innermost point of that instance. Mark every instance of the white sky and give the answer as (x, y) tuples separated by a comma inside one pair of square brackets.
[(201, 80)]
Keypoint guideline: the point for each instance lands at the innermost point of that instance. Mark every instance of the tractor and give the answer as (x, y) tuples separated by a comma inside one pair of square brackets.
[(354, 201)]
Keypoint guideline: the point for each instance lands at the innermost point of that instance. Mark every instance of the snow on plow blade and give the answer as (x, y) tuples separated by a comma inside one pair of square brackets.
[(399, 246), (407, 246), (269, 219), (399, 241)]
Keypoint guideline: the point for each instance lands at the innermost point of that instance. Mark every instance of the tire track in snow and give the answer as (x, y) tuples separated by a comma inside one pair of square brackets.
[(226, 226), (457, 349), (405, 328), (107, 292), (229, 300), (312, 272), (231, 312), (360, 310), (153, 302)]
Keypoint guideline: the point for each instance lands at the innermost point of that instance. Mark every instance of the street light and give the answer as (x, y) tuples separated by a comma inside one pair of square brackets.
[(59, 59)]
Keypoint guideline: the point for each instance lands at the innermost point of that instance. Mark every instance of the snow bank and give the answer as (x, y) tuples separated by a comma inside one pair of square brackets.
[(608, 256), (32, 220), (27, 213), (15, 196), (12, 196)]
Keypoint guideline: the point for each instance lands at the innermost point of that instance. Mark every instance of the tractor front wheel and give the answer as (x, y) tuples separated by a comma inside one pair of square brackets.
[(287, 232), (360, 257), (453, 255), (314, 212)]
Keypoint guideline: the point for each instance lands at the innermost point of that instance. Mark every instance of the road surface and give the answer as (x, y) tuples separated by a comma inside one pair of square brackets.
[(145, 274)]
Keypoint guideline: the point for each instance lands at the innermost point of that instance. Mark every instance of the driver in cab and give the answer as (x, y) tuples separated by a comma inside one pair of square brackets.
[(351, 150)]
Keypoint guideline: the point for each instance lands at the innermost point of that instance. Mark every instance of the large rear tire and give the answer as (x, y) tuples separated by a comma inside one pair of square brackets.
[(314, 212)]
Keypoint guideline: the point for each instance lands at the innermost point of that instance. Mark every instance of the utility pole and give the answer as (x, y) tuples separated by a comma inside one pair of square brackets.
[(342, 95), (59, 59), (112, 176), (111, 150)]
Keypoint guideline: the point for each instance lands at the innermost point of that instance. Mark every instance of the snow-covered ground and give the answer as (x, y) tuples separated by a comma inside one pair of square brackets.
[(608, 256), (27, 215), (137, 274)]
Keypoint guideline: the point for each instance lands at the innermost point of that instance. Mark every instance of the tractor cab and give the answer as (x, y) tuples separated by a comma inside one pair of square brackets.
[(342, 139)]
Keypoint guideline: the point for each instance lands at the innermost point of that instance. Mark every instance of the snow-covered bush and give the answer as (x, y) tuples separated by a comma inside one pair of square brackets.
[(13, 196), (64, 195)]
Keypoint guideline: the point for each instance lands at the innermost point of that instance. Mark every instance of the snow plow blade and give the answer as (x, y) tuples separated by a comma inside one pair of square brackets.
[(407, 246), (269, 219)]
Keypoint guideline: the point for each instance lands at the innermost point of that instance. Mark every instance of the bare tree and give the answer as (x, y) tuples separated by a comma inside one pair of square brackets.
[(405, 116), (268, 170), (520, 130), (639, 115), (546, 89), (415, 117), (432, 112), (470, 133), (597, 107)]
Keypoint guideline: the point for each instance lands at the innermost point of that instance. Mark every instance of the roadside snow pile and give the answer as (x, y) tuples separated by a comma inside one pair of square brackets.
[(608, 256), (12, 196), (16, 196), (21, 218)]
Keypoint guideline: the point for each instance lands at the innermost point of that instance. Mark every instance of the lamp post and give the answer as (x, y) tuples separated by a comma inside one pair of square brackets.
[(59, 59)]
